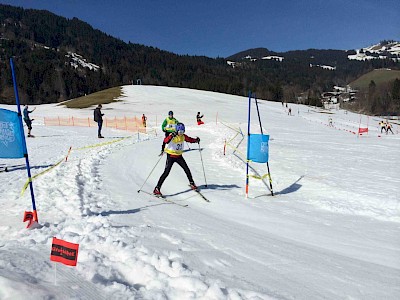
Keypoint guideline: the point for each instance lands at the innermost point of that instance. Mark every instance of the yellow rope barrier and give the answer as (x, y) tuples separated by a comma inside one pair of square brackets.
[(258, 177), (37, 175), (59, 162), (103, 144)]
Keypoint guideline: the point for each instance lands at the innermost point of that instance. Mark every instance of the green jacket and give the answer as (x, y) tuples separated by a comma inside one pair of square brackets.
[(169, 124)]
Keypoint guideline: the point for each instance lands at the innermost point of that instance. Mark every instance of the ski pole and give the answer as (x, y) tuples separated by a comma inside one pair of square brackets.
[(201, 157), (150, 174)]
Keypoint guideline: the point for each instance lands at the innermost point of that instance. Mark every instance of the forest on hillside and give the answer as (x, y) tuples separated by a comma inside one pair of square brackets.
[(40, 43)]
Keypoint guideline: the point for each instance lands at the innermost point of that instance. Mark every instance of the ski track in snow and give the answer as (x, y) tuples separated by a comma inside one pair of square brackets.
[(321, 236)]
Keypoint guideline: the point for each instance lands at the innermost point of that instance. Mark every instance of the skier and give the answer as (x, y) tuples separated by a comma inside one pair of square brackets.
[(388, 127), (144, 119), (330, 122), (168, 126), (98, 117), (383, 126), (28, 120), (198, 118), (290, 112), (174, 148)]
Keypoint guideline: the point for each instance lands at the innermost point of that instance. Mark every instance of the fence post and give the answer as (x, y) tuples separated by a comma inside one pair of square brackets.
[(73, 124), (88, 121)]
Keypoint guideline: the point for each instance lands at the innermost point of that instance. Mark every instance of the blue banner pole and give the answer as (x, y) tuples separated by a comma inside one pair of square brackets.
[(28, 168), (269, 174), (248, 147)]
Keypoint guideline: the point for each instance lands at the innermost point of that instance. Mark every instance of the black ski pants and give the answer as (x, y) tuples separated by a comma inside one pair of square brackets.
[(168, 165), (99, 125)]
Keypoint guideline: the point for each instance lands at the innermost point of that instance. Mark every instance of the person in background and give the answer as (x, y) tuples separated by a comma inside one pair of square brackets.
[(144, 120), (383, 126), (388, 127), (174, 148), (98, 117), (168, 126), (27, 119), (198, 118), (330, 122)]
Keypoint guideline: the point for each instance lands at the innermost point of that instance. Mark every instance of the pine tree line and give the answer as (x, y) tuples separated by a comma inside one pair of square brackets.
[(39, 42)]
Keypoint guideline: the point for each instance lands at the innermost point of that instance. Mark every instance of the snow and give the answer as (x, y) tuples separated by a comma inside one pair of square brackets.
[(393, 48), (330, 232), (78, 60)]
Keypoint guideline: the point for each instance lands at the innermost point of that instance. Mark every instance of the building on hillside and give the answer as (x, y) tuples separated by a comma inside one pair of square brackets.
[(333, 99)]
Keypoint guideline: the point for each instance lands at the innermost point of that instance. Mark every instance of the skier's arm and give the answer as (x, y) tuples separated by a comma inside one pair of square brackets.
[(163, 125), (191, 140), (169, 137)]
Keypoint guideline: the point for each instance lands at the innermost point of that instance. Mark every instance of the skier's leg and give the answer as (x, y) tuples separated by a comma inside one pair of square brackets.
[(168, 165), (163, 144), (181, 161), (100, 125)]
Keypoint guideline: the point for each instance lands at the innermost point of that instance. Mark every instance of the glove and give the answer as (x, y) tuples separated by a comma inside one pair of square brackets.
[(198, 140)]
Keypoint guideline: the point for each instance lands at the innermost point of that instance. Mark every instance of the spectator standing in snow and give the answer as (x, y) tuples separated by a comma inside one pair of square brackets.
[(330, 122), (174, 148), (28, 120), (98, 117), (289, 112), (144, 120), (198, 118), (168, 126)]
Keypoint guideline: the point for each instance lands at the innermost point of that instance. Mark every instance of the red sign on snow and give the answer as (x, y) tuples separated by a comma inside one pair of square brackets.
[(64, 252)]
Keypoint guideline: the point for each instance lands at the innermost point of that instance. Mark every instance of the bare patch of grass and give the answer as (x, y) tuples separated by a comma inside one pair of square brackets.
[(101, 97)]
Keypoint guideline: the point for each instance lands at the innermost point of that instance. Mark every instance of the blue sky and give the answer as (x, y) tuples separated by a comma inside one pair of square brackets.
[(224, 27)]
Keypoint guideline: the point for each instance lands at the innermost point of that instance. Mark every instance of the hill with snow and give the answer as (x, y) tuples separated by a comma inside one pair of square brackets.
[(331, 231), (386, 50)]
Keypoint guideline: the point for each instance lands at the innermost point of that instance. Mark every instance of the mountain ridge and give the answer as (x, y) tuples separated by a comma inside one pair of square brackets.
[(58, 59)]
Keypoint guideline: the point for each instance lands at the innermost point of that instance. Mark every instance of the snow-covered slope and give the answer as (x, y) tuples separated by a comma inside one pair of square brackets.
[(330, 232), (378, 51)]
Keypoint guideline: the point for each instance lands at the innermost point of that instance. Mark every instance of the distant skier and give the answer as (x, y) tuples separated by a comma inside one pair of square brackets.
[(144, 120), (383, 126), (198, 118), (98, 117), (168, 126), (330, 122), (174, 148), (290, 112), (28, 120), (388, 127)]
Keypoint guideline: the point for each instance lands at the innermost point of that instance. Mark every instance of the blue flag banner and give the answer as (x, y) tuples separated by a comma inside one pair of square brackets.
[(258, 144), (12, 144)]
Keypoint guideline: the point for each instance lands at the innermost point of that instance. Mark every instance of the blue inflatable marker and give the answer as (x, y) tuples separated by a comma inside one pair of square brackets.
[(258, 145), (12, 144)]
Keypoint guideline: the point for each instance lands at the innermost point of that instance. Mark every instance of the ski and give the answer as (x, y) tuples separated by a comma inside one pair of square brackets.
[(164, 198), (200, 194)]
